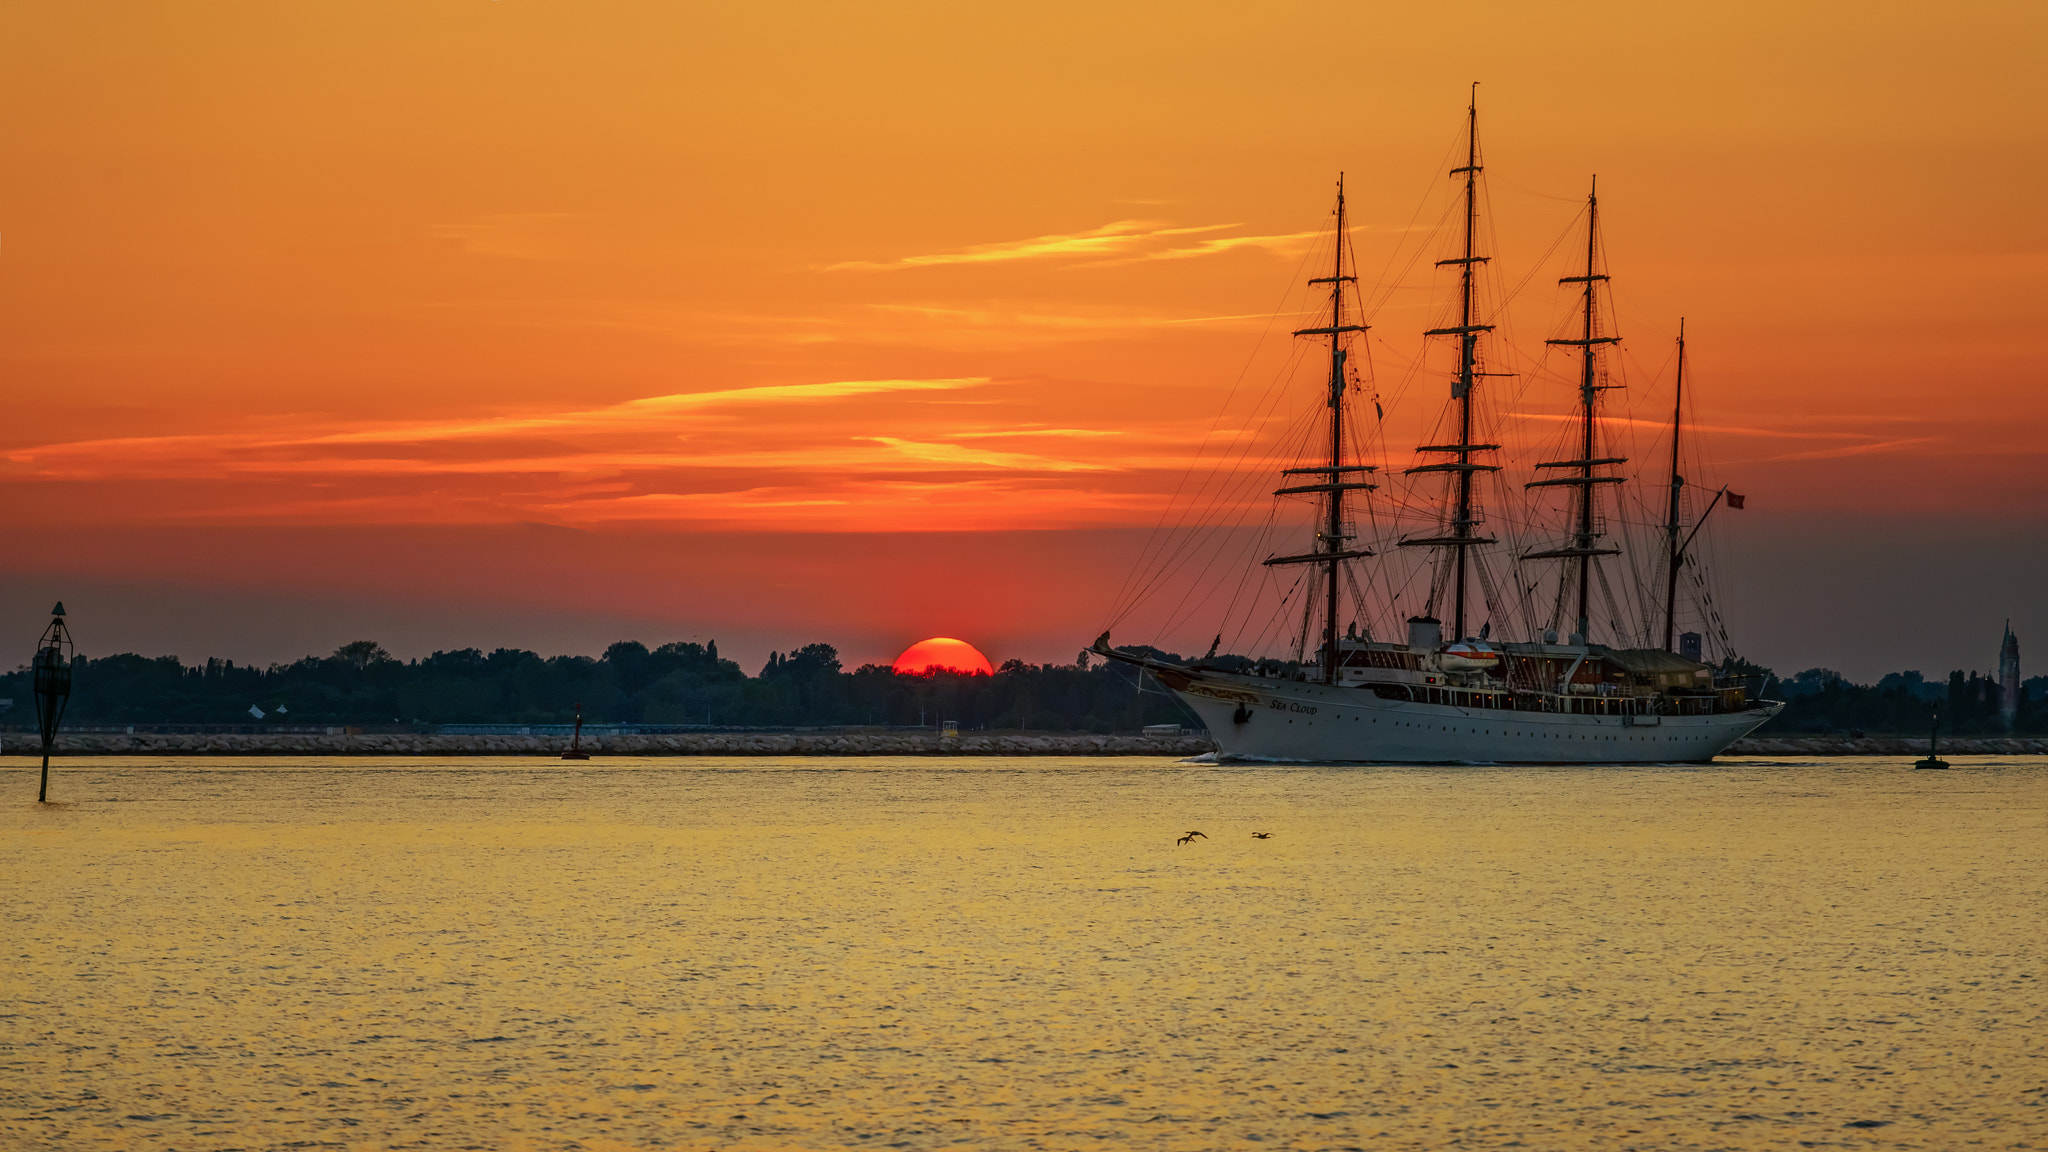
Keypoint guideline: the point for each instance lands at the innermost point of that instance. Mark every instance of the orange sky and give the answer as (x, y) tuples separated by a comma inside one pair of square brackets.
[(641, 268)]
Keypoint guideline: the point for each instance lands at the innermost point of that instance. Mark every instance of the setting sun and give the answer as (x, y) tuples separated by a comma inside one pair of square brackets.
[(942, 654)]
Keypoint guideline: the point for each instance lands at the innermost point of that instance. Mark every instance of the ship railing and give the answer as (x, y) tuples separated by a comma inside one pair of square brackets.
[(1614, 704), (1609, 703)]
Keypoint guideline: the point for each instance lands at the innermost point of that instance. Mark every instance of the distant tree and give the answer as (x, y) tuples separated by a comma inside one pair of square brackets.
[(1811, 682), (690, 685), (806, 663), (461, 660), (632, 662), (360, 654), (1912, 683)]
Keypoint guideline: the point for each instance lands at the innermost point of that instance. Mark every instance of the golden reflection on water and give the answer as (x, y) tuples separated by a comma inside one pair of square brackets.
[(909, 953)]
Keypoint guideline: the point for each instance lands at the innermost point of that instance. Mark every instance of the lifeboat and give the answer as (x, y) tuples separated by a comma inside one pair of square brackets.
[(1465, 656)]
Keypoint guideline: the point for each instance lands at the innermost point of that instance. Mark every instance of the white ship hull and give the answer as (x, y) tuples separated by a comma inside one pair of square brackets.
[(1298, 720)]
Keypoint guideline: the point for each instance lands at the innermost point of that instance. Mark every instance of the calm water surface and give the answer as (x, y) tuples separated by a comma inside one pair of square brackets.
[(1014, 954)]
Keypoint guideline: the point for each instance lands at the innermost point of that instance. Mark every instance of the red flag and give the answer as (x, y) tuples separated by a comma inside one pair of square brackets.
[(1735, 501)]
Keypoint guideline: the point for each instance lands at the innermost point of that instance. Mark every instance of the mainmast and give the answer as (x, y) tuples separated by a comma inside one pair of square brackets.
[(1586, 529), (1673, 554), (1331, 538), (1460, 538)]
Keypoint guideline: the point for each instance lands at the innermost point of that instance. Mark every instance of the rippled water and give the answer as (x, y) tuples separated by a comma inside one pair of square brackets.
[(812, 953)]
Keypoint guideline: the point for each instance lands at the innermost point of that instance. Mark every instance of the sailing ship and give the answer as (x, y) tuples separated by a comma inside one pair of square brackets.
[(1433, 696)]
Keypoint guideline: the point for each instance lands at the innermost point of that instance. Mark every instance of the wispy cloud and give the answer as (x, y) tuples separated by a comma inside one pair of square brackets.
[(677, 505), (830, 453), (1719, 429), (1115, 238), (1002, 319), (1846, 450), (643, 437), (1009, 318), (1285, 244), (293, 447), (1008, 432), (1239, 316), (516, 235), (636, 412), (934, 452), (1869, 446), (950, 504)]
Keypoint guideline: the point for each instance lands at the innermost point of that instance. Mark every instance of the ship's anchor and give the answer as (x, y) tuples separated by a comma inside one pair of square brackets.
[(1241, 716)]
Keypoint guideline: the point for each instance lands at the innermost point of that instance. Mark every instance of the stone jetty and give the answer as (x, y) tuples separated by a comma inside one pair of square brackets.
[(849, 744)]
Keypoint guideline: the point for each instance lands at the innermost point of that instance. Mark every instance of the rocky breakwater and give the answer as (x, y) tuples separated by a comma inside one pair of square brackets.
[(1887, 746), (689, 744)]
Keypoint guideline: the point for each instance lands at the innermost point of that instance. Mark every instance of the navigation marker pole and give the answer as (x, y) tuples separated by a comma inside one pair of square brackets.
[(52, 678), (576, 751)]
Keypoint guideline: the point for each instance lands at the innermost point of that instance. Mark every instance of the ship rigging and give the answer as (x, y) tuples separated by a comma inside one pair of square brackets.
[(1467, 697)]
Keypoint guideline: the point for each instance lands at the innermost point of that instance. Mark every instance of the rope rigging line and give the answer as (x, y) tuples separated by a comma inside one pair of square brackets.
[(1231, 480), (1308, 614), (1615, 623), (1214, 423)]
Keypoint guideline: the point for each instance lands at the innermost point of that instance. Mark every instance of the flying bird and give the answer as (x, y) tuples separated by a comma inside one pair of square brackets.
[(1189, 838), (1262, 835)]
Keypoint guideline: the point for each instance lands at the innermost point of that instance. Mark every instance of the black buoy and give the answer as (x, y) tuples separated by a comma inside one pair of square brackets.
[(1931, 760), (576, 751), (52, 683)]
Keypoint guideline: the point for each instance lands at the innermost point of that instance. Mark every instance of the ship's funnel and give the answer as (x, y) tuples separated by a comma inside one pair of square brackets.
[(1425, 632)]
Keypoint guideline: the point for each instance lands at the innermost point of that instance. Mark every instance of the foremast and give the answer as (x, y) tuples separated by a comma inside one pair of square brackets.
[(1461, 535), (1585, 546), (1334, 536)]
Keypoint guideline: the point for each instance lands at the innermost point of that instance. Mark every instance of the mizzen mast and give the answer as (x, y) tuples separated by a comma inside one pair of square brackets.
[(1460, 537), (1586, 529), (1332, 538), (1673, 551)]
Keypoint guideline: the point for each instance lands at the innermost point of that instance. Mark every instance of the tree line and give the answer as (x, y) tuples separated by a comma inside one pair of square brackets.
[(1821, 700), (691, 684), (674, 684)]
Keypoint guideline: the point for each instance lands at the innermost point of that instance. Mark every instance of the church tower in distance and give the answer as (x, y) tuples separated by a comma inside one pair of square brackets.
[(2009, 677)]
